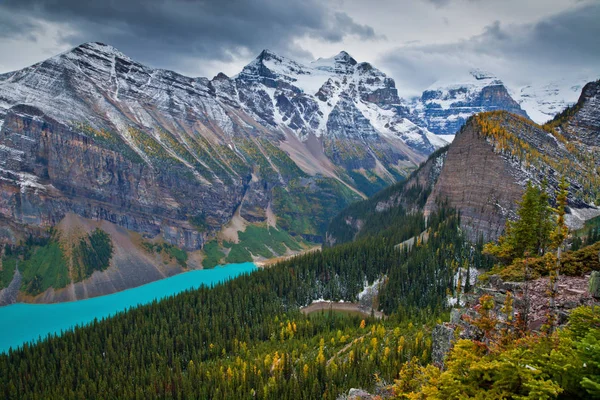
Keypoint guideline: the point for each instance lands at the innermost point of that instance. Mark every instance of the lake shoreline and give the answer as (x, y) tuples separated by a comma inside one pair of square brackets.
[(26, 322)]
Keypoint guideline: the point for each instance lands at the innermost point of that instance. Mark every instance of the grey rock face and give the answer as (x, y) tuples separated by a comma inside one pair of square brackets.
[(93, 132), (442, 338), (485, 182), (584, 125)]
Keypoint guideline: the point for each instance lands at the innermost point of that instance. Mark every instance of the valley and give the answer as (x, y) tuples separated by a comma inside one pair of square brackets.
[(296, 230)]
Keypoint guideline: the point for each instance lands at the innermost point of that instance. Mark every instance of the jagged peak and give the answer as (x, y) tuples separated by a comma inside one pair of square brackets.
[(220, 77), (341, 62), (481, 74), (267, 54), (345, 57), (98, 47), (264, 56)]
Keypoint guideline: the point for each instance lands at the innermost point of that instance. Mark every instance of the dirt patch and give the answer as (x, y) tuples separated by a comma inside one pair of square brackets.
[(235, 225), (271, 218), (344, 307)]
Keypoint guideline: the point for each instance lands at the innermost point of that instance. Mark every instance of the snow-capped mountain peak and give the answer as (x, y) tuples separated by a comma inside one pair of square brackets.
[(445, 106), (325, 96), (341, 63)]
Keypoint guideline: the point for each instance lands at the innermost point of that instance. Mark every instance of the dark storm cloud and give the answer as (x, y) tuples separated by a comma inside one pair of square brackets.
[(567, 41), (175, 30), (12, 26)]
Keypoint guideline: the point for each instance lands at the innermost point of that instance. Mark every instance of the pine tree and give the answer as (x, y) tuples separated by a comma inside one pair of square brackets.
[(529, 234), (558, 237)]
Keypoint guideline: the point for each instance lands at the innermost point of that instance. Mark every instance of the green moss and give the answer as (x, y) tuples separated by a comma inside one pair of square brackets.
[(45, 268), (8, 270), (168, 251), (260, 241), (213, 254)]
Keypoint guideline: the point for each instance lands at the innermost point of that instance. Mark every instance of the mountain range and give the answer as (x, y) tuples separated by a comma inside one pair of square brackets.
[(484, 172), (91, 139)]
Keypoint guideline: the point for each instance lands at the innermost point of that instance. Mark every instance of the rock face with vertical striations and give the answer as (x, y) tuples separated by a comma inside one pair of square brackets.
[(95, 134), (581, 122), (494, 156), (478, 182)]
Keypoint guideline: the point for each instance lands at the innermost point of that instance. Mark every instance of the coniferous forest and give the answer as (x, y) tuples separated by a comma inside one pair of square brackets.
[(247, 339)]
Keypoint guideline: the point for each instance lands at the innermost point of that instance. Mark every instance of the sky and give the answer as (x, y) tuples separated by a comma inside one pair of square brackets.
[(416, 42)]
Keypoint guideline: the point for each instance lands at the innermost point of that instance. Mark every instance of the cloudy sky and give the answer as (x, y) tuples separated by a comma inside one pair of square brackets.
[(417, 42)]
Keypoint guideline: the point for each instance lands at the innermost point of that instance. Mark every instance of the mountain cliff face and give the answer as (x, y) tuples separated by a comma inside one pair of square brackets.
[(93, 133), (492, 159), (581, 122), (445, 106), (101, 127)]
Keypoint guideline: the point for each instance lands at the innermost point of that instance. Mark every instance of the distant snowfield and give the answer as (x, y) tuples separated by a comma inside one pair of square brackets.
[(447, 138), (542, 101)]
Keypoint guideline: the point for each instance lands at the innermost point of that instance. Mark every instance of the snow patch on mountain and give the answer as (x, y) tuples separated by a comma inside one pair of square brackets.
[(543, 101), (314, 98), (463, 88)]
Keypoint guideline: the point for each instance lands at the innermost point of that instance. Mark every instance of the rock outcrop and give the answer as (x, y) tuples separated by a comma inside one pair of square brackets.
[(479, 183), (584, 123), (490, 162), (530, 303)]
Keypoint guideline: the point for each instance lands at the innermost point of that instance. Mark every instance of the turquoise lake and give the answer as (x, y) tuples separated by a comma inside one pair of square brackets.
[(21, 323)]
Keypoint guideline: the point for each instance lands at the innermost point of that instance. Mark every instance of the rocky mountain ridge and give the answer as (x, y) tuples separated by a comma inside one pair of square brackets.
[(184, 160), (208, 133), (446, 105)]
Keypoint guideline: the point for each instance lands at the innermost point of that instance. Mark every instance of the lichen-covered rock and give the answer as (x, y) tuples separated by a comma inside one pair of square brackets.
[(442, 338)]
